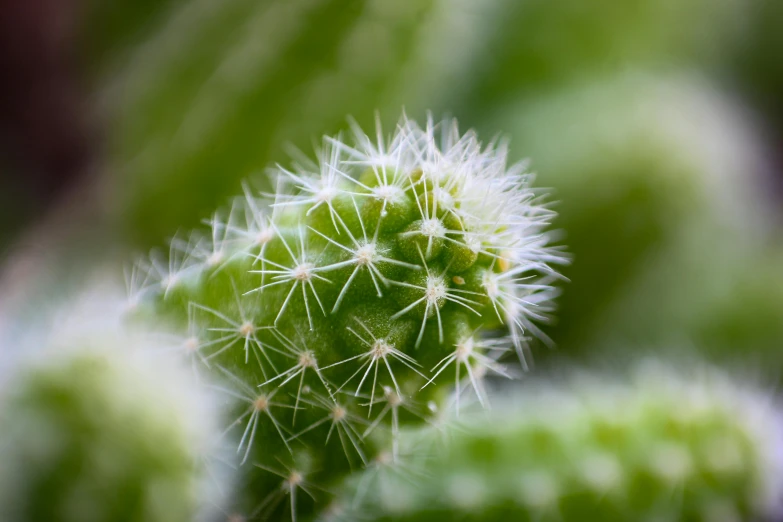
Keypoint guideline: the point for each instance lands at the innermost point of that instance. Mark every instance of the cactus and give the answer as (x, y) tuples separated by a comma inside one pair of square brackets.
[(100, 426), (667, 445), (651, 171), (333, 310)]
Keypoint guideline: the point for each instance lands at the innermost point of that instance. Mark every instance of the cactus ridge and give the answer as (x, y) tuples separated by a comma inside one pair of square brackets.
[(668, 444), (336, 305)]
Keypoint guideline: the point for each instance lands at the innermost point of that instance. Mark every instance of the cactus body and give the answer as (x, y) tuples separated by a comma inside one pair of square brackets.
[(665, 446), (380, 271)]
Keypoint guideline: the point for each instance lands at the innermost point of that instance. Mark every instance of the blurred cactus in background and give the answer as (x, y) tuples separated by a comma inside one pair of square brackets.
[(660, 187), (99, 424), (668, 444)]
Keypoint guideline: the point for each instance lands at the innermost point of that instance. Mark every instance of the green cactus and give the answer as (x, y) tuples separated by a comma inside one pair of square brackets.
[(334, 308), (103, 427), (651, 173), (667, 445)]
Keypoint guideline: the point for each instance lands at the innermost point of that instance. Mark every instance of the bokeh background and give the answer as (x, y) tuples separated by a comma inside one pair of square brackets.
[(658, 124)]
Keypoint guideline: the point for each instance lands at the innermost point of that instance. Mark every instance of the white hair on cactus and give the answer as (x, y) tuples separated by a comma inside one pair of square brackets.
[(300, 274), (342, 421), (314, 189), (379, 352), (391, 249), (477, 357)]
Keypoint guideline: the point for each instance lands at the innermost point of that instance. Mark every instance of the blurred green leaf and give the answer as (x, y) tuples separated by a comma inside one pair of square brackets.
[(543, 44), (215, 93)]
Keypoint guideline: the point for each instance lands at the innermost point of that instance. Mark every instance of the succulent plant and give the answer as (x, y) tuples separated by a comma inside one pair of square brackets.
[(335, 308), (668, 444), (99, 424), (651, 172)]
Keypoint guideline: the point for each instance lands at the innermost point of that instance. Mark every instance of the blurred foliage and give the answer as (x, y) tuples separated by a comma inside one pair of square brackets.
[(215, 89), (658, 182), (215, 92), (759, 62), (745, 323), (9, 209), (540, 44), (112, 29)]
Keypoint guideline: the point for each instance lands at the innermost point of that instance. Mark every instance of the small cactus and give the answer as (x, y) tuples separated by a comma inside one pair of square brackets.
[(664, 446), (333, 308), (102, 427)]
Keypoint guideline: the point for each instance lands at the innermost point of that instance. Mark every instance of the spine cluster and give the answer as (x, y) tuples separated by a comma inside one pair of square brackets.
[(332, 310), (663, 446)]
